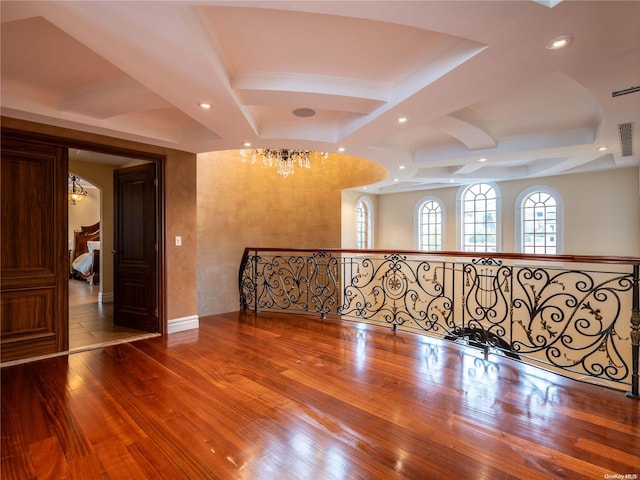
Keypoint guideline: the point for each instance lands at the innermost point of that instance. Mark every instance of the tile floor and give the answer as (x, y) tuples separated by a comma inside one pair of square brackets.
[(90, 322)]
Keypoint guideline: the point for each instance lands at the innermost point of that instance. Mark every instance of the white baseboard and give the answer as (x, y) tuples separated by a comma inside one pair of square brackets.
[(105, 297), (183, 323)]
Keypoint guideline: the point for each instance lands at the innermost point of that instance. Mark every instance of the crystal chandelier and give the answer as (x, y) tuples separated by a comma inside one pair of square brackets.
[(284, 159)]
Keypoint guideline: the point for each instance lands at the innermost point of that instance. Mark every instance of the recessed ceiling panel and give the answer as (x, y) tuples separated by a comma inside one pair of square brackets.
[(550, 103), (253, 40), (474, 79), (49, 59)]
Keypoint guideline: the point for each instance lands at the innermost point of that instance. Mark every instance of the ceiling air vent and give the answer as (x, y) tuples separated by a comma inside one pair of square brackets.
[(626, 138)]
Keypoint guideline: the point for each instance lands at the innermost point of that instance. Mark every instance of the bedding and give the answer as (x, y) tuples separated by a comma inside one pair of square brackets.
[(86, 262), (83, 264)]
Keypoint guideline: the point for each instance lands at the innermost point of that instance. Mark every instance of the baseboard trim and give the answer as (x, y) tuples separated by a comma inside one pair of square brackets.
[(105, 297), (183, 323)]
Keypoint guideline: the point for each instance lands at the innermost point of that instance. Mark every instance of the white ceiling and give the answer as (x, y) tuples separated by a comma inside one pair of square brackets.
[(474, 79)]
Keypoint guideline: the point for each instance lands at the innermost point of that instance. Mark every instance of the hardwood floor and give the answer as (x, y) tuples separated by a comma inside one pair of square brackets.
[(90, 322), (281, 397)]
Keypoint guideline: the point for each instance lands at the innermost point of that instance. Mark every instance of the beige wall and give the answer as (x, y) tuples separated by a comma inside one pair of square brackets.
[(180, 218), (180, 211), (243, 205), (237, 204), (350, 199), (84, 212), (601, 213), (100, 175)]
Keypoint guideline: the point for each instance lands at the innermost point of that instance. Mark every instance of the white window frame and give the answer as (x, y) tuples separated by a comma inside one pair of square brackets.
[(460, 211), (417, 216), (519, 227), (369, 234)]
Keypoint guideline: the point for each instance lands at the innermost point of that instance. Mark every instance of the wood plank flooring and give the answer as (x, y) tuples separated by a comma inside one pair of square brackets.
[(281, 397)]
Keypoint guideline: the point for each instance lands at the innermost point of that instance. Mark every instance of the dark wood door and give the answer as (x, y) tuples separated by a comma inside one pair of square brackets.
[(135, 268), (33, 261)]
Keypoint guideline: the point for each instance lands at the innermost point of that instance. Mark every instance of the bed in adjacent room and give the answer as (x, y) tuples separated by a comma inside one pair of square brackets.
[(86, 257)]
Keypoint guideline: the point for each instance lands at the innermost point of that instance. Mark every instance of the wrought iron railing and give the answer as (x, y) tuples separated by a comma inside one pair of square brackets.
[(571, 314)]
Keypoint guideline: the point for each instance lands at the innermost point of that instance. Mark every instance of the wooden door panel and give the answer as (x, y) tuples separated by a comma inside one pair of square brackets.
[(33, 246), (28, 239), (32, 314), (135, 272)]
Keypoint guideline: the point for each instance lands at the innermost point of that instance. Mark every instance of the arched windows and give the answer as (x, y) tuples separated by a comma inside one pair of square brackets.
[(537, 228), (429, 222), (480, 216), (364, 223), (538, 212)]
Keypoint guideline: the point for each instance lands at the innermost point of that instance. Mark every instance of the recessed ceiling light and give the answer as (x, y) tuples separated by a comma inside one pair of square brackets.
[(395, 179), (402, 119), (205, 106), (451, 180), (401, 167), (341, 149), (602, 149), (247, 144), (304, 112), (559, 42), (482, 159)]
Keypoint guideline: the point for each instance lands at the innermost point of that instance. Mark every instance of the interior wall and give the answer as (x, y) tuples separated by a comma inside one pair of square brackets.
[(601, 213), (350, 199), (179, 212), (84, 212), (180, 220), (248, 205), (100, 175)]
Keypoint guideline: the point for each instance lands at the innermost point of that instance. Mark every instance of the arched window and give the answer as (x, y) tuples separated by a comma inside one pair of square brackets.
[(538, 227), (480, 218), (364, 223), (429, 215)]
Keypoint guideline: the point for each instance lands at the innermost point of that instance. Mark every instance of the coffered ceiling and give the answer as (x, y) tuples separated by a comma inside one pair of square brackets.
[(474, 80)]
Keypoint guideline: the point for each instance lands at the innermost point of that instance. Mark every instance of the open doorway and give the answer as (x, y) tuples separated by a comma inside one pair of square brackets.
[(91, 251), (35, 273)]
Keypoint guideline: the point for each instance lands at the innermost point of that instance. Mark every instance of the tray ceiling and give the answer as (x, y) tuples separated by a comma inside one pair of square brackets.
[(473, 79)]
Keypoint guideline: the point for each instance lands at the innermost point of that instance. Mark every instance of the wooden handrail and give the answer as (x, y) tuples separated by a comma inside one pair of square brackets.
[(596, 259)]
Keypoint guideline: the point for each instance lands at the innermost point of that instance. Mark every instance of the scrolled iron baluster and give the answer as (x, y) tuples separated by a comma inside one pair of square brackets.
[(486, 304), (552, 316), (323, 282), (566, 317), (635, 334), (244, 280)]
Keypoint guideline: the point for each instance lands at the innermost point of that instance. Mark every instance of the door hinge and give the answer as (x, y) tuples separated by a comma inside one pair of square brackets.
[(156, 313), (156, 247), (155, 182)]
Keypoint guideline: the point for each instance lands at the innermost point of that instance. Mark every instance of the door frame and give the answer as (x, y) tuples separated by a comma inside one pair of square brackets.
[(160, 161)]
